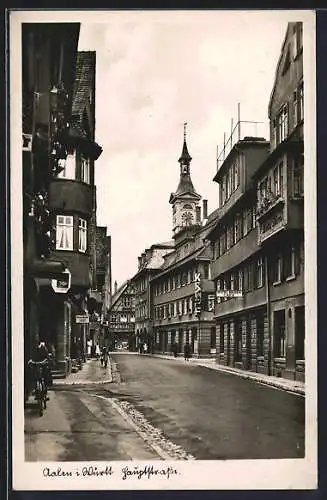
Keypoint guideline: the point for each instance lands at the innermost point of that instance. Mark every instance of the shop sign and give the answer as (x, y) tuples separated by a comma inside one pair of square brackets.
[(82, 319), (197, 294), (229, 293), (62, 285)]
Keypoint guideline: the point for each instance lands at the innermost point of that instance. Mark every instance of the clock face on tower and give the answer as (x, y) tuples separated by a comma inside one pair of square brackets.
[(187, 218)]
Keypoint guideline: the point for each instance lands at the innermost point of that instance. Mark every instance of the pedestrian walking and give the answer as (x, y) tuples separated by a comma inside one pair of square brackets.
[(89, 347), (187, 351), (97, 351), (174, 349), (145, 348), (104, 356)]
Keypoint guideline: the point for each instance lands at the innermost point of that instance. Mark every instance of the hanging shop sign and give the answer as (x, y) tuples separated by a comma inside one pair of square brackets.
[(197, 294), (62, 285), (82, 319), (229, 293)]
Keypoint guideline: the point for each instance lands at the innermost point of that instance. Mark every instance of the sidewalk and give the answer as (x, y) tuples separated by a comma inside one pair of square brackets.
[(294, 386), (91, 373)]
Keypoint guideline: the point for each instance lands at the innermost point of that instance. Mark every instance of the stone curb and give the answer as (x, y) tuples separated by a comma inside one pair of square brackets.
[(247, 375), (66, 381)]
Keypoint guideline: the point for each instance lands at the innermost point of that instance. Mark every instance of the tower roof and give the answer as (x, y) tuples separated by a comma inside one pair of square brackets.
[(185, 156), (185, 186)]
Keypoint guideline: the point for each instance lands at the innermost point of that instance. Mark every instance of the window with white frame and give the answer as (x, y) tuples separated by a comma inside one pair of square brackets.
[(85, 170), (290, 262), (82, 235), (65, 232), (232, 281), (283, 124), (259, 273), (211, 302), (69, 167), (277, 269)]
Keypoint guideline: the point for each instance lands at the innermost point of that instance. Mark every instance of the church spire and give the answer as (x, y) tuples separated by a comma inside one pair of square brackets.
[(185, 158)]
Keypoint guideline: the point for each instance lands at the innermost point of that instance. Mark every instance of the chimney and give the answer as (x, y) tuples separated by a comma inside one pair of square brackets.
[(198, 215), (205, 209), (116, 286), (140, 261)]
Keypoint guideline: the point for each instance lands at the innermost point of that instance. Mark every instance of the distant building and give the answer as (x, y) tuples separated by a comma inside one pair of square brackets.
[(149, 264), (100, 296), (120, 318), (182, 294)]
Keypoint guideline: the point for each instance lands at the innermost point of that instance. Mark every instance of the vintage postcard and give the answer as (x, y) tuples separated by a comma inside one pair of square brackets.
[(163, 232)]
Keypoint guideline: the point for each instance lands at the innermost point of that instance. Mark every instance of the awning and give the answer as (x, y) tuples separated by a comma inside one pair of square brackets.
[(49, 269)]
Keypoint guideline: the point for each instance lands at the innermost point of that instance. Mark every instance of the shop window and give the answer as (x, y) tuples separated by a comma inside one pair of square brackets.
[(238, 340), (300, 333), (221, 339), (279, 334), (65, 232), (260, 319), (213, 337)]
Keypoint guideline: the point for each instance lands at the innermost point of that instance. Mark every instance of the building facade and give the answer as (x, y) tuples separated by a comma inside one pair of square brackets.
[(149, 264), (280, 211), (49, 54), (120, 319), (72, 204), (257, 244), (238, 265), (182, 293)]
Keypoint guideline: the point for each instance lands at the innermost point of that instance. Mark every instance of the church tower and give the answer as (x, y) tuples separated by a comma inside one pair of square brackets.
[(185, 200)]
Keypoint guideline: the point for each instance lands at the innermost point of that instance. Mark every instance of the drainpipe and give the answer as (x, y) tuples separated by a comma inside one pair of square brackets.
[(268, 308)]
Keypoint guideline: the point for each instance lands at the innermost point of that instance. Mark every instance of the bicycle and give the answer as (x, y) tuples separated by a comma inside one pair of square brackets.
[(40, 381)]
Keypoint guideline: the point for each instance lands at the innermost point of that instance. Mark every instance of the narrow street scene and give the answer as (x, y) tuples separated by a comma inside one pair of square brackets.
[(164, 264), (149, 408)]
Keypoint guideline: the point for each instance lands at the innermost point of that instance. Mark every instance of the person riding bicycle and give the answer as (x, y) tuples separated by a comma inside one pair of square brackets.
[(42, 355)]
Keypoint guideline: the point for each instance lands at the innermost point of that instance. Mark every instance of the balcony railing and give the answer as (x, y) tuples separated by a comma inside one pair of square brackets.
[(268, 201)]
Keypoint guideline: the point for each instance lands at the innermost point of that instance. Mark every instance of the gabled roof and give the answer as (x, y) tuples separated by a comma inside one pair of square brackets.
[(118, 294), (199, 253)]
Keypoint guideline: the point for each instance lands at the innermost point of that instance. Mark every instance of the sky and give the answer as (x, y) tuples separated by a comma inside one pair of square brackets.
[(155, 71)]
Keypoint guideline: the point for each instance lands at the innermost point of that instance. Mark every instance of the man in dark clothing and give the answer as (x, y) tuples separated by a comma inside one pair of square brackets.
[(187, 351), (174, 349)]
